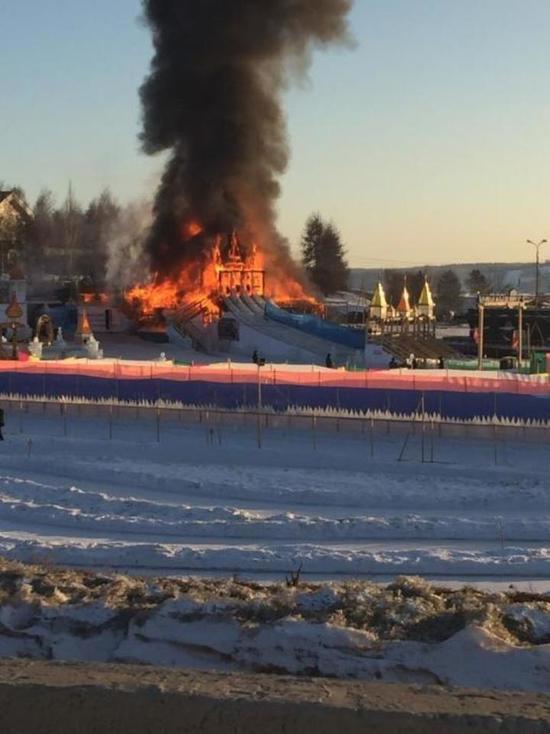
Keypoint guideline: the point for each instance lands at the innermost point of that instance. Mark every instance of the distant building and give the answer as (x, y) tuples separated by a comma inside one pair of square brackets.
[(235, 276), (347, 308), (379, 305), (418, 319), (15, 216), (426, 305)]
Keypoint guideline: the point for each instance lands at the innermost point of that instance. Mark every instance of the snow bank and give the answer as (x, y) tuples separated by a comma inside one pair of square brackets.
[(506, 562), (408, 631)]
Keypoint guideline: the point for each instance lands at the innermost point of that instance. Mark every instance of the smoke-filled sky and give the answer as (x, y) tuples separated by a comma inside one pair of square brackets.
[(428, 143), (213, 99)]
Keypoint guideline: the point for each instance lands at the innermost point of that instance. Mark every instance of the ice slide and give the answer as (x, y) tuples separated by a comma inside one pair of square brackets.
[(279, 341), (272, 338)]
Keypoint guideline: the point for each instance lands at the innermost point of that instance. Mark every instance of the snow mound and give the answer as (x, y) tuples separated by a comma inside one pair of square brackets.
[(408, 631)]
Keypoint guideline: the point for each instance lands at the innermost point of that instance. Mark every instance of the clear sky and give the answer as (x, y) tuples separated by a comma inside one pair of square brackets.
[(429, 142)]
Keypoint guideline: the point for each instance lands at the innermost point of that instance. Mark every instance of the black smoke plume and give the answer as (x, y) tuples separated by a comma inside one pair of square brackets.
[(213, 100)]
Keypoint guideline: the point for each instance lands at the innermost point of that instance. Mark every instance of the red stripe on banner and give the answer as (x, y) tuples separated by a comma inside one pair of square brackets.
[(239, 374)]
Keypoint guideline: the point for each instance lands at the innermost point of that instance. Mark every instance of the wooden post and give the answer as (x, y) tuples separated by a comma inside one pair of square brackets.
[(423, 435), (259, 388), (258, 430), (371, 435), (258, 409)]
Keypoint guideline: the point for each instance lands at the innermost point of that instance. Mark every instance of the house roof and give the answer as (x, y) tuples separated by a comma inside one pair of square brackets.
[(17, 202)]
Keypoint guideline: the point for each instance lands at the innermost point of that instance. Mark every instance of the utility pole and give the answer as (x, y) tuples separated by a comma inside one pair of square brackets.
[(259, 387), (537, 246), (480, 331), (261, 363), (520, 333)]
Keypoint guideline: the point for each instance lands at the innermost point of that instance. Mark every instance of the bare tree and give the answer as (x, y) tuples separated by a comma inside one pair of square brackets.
[(72, 220)]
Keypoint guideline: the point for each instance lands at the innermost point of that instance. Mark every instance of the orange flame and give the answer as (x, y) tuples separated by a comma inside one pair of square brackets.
[(192, 229), (199, 283)]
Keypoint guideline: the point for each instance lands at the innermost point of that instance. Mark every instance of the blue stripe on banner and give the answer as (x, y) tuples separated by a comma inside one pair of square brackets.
[(458, 405)]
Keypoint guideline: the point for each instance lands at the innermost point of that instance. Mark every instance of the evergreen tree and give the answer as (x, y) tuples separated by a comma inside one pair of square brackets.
[(311, 238), (323, 255), (449, 290), (477, 282)]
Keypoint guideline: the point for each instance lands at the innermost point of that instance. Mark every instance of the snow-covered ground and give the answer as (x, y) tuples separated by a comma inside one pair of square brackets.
[(409, 631), (182, 499), (208, 500), (129, 347)]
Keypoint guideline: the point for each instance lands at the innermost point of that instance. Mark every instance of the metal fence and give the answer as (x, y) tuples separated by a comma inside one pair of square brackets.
[(419, 433)]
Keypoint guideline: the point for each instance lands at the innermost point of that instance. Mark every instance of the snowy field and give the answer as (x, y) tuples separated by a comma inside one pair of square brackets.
[(205, 500), (181, 501)]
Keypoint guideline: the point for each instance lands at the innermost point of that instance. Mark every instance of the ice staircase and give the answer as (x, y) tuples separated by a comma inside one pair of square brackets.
[(187, 322), (403, 345)]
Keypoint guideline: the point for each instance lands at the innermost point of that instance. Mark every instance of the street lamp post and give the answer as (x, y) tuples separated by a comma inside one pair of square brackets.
[(480, 333), (520, 332), (537, 246)]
